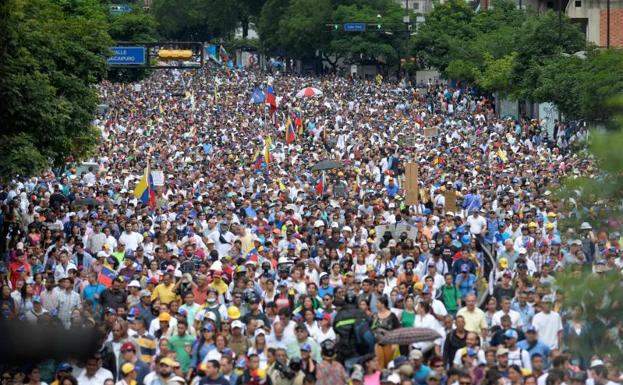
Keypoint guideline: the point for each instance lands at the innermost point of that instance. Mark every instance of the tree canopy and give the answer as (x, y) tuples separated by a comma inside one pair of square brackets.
[(52, 53)]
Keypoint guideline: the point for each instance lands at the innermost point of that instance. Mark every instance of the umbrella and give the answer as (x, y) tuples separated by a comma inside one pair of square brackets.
[(405, 336), (308, 92), (86, 202), (325, 164)]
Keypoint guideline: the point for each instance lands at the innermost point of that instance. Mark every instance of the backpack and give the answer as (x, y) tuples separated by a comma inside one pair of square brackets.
[(364, 338)]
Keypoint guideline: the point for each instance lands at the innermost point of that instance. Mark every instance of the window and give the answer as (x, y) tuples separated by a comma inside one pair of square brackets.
[(416, 6), (578, 3)]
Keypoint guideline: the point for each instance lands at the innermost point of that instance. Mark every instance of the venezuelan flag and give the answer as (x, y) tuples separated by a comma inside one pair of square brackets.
[(290, 133), (257, 160), (145, 190), (321, 186)]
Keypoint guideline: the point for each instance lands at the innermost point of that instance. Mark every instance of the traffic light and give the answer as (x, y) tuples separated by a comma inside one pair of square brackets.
[(332, 27), (175, 54)]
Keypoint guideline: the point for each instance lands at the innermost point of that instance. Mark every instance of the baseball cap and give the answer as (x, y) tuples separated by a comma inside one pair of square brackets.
[(464, 269), (145, 293), (415, 355), (501, 352), (306, 347), (167, 361), (64, 367), (237, 324), (134, 283), (510, 333), (165, 317), (127, 368), (127, 346)]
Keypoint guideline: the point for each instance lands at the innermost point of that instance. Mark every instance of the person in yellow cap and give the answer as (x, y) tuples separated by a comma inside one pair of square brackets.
[(128, 375)]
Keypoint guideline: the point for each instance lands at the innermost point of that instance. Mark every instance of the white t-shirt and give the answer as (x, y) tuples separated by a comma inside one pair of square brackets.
[(515, 319), (548, 325), (476, 224)]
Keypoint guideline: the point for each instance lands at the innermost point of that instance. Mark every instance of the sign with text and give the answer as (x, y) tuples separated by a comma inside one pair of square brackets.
[(127, 56), (412, 184), (354, 27)]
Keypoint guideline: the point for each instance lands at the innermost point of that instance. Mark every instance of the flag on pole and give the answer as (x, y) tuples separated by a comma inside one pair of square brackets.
[(271, 99), (290, 133), (266, 153), (321, 186), (257, 96), (298, 121), (502, 155), (257, 159), (106, 276), (144, 189)]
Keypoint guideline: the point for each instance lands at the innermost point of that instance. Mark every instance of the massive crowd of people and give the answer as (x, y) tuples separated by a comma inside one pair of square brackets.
[(243, 263)]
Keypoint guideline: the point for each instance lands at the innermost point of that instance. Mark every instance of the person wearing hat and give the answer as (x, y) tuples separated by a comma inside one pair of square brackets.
[(501, 358), (329, 371), (303, 340), (128, 374), (356, 377), (129, 356), (37, 310), (533, 346), (548, 323), (516, 355)]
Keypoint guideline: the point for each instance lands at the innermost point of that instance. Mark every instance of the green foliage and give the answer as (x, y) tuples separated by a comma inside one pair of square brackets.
[(195, 20), (52, 54), (601, 299), (268, 24), (370, 44), (301, 27), (496, 72)]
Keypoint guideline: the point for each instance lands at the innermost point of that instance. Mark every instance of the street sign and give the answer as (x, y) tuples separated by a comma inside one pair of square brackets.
[(116, 9), (354, 27), (127, 56)]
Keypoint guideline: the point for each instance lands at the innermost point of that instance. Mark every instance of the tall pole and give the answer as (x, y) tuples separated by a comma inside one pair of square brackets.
[(607, 23)]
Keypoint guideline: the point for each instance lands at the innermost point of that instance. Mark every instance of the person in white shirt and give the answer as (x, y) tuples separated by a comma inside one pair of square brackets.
[(93, 374), (548, 323), (131, 238), (476, 222), (516, 322)]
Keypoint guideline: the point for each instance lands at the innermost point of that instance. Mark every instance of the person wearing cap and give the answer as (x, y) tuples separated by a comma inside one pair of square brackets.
[(329, 371), (516, 355), (420, 370), (533, 346), (548, 323), (238, 342), (303, 339), (129, 356), (68, 301), (501, 359)]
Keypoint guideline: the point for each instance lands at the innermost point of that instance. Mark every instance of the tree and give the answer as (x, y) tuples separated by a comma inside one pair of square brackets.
[(597, 199), (195, 20), (301, 27), (443, 35), (268, 26), (52, 54), (371, 44)]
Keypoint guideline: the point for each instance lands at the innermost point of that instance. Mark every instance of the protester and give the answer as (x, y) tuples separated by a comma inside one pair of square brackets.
[(219, 239)]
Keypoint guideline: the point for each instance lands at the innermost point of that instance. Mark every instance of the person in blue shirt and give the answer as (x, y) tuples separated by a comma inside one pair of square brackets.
[(420, 371), (324, 287), (465, 282), (533, 346), (392, 188), (92, 291)]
